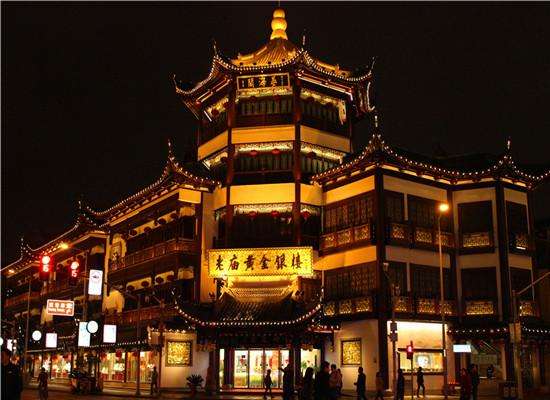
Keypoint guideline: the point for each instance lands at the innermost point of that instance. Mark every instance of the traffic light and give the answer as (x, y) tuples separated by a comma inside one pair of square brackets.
[(45, 267), (74, 272), (410, 351)]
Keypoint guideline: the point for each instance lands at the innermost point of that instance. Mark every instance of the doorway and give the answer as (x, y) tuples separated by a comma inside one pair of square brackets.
[(251, 365)]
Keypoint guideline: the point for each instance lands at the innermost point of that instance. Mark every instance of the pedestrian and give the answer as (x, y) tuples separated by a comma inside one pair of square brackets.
[(490, 371), (154, 381), (379, 386), (322, 388), (340, 382), (288, 388), (43, 384), (420, 382), (267, 384), (306, 393), (465, 385), (333, 382), (361, 384), (474, 374), (12, 381), (400, 389)]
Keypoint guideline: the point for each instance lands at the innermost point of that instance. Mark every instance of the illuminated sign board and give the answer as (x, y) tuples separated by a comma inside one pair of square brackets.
[(462, 348), (263, 81), (262, 261), (109, 333), (95, 283), (64, 308), (83, 335), (51, 340)]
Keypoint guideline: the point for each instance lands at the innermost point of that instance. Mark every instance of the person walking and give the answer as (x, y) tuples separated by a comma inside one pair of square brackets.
[(154, 380), (379, 386), (420, 382), (333, 382), (43, 384), (267, 384), (322, 387), (361, 384), (400, 386), (340, 382), (465, 385), (12, 381), (288, 388), (306, 393), (474, 375)]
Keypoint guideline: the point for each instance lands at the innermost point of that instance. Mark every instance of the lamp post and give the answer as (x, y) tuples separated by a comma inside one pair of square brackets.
[(442, 208), (393, 326)]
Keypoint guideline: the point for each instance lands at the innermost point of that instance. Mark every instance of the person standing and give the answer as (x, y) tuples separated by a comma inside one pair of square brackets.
[(12, 381), (361, 384), (474, 374), (288, 388), (400, 389), (154, 380), (322, 387), (43, 384), (420, 382), (267, 384), (307, 385), (333, 382), (465, 385), (340, 382), (379, 386)]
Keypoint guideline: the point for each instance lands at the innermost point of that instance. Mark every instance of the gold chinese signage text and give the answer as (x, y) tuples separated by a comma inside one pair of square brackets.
[(263, 81), (260, 261)]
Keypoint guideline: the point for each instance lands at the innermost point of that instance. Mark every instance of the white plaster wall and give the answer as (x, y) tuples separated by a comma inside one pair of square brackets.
[(176, 377), (422, 257), (414, 188), (351, 189), (367, 330), (345, 258)]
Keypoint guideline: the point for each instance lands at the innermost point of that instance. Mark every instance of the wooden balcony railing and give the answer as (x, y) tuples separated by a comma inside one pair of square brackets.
[(403, 304), (159, 250), (520, 243), (348, 306), (432, 307), (476, 241), (146, 314), (428, 237), (479, 307), (346, 237), (20, 299), (57, 286), (528, 308)]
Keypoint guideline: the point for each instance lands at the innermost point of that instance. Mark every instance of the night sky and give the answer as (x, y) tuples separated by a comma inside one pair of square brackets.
[(88, 103)]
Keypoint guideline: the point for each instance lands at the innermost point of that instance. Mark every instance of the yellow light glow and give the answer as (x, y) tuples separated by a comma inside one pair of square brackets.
[(63, 246), (11, 271), (271, 261), (443, 207)]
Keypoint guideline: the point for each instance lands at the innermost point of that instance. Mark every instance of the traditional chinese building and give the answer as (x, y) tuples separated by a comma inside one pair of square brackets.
[(282, 245)]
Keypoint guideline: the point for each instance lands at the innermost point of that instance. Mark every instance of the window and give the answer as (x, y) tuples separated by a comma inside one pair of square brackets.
[(475, 217), (349, 282), (350, 212), (394, 206), (425, 282), (398, 275), (521, 278), (423, 213), (479, 284)]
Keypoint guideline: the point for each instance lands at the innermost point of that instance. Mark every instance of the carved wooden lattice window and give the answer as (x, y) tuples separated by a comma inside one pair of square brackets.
[(425, 281), (479, 283), (355, 211), (394, 206), (475, 217), (349, 282), (423, 213), (521, 278), (398, 275)]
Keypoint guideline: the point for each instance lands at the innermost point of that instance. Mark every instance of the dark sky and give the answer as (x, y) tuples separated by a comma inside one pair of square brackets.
[(88, 103)]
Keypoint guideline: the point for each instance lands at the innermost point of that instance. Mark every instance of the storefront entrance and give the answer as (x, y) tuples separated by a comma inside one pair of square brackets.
[(250, 366)]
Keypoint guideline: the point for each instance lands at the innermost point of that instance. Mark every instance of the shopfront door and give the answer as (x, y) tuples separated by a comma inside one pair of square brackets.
[(251, 365)]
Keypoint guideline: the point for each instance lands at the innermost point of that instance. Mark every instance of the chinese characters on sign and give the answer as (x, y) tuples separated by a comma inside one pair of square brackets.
[(60, 307), (261, 261), (263, 81)]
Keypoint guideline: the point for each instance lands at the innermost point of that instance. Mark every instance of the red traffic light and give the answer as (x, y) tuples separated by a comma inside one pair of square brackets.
[(45, 261), (410, 351), (74, 272)]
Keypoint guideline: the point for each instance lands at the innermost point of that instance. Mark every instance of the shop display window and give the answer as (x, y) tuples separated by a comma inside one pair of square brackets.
[(351, 352), (310, 358), (146, 364), (222, 365), (113, 366), (430, 361), (61, 366), (251, 365), (241, 369)]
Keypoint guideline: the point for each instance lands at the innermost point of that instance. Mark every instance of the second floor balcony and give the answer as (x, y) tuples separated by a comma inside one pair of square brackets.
[(145, 314), (21, 299), (330, 242), (477, 242), (407, 234)]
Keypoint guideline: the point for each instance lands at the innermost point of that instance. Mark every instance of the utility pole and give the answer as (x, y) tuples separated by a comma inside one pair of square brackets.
[(442, 301), (138, 339), (27, 325), (393, 327)]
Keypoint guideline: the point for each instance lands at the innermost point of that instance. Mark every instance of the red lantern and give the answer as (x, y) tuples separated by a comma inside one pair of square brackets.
[(306, 214), (118, 353), (276, 151), (274, 213), (145, 284), (54, 357), (253, 153), (252, 214), (135, 353), (215, 112), (159, 279), (130, 288)]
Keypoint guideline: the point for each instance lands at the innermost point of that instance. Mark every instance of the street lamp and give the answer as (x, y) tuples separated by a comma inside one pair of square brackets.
[(393, 325), (442, 208)]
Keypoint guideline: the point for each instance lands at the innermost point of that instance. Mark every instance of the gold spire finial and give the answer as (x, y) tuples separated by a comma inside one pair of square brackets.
[(278, 25)]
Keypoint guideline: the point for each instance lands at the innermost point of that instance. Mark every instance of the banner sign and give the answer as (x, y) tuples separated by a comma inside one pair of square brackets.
[(64, 308), (263, 81), (51, 340), (261, 261), (83, 335), (95, 283)]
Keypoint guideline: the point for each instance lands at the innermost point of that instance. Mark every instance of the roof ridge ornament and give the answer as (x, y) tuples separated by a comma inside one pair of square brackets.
[(278, 25)]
